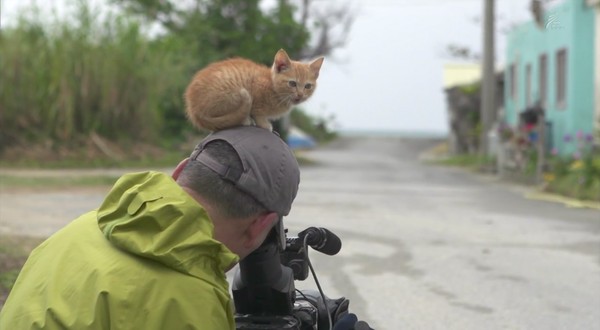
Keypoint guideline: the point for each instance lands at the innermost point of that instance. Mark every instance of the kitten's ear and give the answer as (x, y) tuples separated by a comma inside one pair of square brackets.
[(282, 61), (315, 66)]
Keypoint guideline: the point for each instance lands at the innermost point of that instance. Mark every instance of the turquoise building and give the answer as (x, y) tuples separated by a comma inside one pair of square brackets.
[(553, 62)]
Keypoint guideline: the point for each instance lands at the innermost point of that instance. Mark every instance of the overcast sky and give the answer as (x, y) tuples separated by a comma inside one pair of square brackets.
[(389, 75)]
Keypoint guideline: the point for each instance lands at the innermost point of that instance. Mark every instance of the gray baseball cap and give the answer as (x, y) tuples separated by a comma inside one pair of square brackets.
[(270, 171)]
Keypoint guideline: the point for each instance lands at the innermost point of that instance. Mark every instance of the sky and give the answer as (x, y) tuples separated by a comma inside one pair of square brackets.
[(388, 76)]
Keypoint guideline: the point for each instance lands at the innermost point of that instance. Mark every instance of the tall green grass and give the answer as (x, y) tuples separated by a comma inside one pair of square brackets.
[(67, 79)]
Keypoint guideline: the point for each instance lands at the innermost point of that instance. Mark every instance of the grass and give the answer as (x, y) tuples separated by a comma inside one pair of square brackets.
[(125, 155), (467, 161), (13, 254), (83, 75), (440, 155), (304, 160), (169, 160), (570, 186), (12, 181), (7, 181)]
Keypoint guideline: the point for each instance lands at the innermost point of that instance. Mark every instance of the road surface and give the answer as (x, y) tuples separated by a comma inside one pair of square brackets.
[(424, 247), (427, 247)]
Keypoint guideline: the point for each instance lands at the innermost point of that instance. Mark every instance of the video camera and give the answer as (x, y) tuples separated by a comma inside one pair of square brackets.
[(263, 287)]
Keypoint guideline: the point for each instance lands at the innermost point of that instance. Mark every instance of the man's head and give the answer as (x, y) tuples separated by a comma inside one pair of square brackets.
[(247, 178)]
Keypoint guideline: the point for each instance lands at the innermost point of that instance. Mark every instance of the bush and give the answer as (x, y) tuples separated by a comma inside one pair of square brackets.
[(317, 127), (577, 175), (72, 78)]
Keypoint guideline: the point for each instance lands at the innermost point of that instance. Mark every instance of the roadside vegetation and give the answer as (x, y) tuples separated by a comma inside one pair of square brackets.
[(104, 90), (576, 175), (66, 181), (91, 89), (519, 156), (473, 162)]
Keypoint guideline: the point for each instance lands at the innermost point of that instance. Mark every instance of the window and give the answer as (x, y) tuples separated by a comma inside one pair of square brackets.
[(513, 81), (561, 78), (528, 85), (543, 83)]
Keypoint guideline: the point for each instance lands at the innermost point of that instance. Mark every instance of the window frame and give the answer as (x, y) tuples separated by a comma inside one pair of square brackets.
[(513, 81), (543, 80), (528, 85), (561, 78)]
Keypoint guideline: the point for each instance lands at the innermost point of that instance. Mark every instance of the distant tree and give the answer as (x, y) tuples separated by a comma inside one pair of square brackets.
[(461, 52), (209, 30), (329, 24), (224, 28)]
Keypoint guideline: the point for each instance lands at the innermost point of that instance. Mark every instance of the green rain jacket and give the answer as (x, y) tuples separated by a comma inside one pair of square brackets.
[(146, 259)]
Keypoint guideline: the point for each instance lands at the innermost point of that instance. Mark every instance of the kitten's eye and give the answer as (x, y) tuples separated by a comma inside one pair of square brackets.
[(292, 83), (308, 86)]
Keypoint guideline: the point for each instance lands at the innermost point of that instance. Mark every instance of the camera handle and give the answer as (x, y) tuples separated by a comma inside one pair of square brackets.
[(265, 296)]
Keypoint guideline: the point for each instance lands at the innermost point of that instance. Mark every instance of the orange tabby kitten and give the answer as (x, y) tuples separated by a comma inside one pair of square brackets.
[(238, 91)]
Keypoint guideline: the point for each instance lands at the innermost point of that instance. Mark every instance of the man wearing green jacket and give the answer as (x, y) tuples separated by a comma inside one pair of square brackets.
[(155, 253)]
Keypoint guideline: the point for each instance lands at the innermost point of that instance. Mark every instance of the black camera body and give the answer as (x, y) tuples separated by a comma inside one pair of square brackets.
[(264, 293)]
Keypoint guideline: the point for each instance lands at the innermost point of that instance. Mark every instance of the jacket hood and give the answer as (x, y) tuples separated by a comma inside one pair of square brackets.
[(149, 215)]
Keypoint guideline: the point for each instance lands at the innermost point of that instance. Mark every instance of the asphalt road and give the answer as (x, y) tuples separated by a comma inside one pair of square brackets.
[(424, 247)]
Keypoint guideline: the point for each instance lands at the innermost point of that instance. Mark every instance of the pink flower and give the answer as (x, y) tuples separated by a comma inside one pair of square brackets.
[(554, 151), (579, 135)]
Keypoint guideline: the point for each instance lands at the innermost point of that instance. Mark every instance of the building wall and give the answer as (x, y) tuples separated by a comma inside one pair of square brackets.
[(457, 74), (584, 65), (597, 70), (595, 4), (569, 25)]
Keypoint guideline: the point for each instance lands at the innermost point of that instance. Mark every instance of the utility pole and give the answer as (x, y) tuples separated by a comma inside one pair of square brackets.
[(488, 83)]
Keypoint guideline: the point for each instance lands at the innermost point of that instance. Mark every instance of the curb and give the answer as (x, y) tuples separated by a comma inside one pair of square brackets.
[(568, 202)]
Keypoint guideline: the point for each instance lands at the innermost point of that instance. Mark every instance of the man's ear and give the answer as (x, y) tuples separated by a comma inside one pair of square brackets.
[(179, 168), (259, 228)]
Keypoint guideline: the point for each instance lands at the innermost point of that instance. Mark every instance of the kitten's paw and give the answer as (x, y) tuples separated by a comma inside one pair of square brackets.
[(269, 127), (248, 122), (266, 125)]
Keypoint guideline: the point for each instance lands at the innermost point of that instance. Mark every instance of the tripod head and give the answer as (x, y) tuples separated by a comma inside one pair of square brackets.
[(263, 287)]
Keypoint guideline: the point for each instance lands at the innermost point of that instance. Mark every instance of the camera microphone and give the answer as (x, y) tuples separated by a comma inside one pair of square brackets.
[(321, 240)]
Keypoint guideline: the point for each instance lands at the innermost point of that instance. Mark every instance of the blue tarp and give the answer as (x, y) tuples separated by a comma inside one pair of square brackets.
[(299, 140)]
